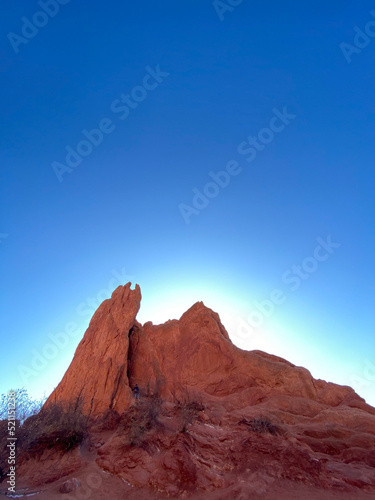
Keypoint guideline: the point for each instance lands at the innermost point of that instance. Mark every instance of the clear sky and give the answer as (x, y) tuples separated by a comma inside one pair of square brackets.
[(215, 151)]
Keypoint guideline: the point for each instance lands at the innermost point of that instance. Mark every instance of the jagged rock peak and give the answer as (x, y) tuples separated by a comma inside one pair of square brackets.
[(99, 370)]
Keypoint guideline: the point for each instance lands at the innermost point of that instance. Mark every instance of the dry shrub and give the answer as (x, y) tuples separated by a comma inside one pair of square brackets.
[(261, 425), (140, 419), (107, 421), (189, 408), (25, 405), (60, 424)]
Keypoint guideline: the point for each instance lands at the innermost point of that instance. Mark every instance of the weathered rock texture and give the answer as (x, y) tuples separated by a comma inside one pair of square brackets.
[(98, 372), (211, 415)]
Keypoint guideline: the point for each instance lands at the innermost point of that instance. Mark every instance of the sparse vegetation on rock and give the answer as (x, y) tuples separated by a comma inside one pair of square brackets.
[(140, 419), (261, 425), (188, 409), (59, 425)]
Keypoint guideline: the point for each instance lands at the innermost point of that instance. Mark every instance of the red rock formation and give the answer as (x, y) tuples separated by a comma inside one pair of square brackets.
[(264, 420), (98, 372), (196, 354)]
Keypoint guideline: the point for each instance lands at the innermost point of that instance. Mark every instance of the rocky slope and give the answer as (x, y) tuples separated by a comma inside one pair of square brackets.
[(211, 417)]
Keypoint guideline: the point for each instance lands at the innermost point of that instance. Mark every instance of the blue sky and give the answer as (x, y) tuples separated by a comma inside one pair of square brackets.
[(211, 89)]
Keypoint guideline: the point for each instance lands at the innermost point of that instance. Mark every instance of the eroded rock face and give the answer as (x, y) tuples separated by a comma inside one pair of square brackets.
[(252, 447), (98, 372), (196, 355)]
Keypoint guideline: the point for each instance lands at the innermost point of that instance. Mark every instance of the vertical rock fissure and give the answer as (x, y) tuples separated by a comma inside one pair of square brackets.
[(117, 384), (131, 349)]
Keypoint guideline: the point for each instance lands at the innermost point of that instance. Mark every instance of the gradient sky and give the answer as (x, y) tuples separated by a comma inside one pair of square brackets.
[(116, 217)]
